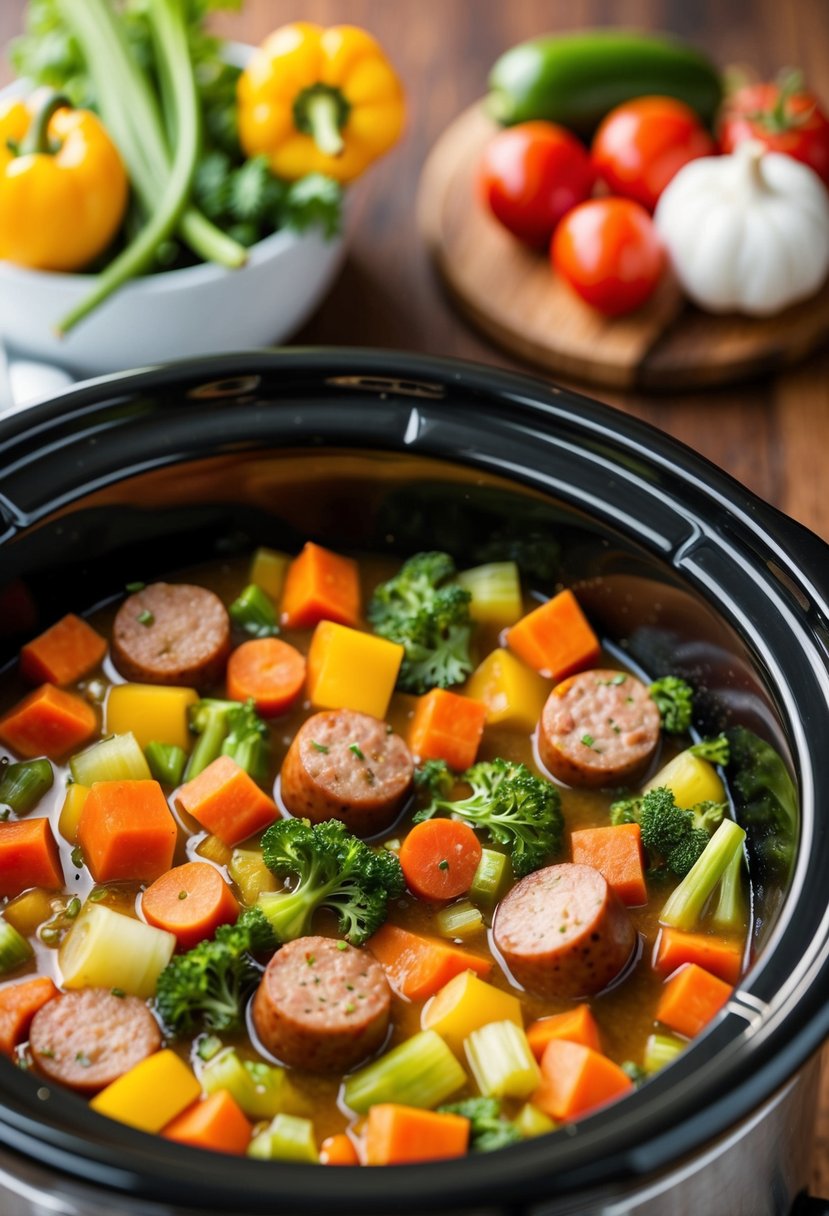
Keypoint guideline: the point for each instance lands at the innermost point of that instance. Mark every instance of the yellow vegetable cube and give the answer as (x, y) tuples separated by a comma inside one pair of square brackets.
[(514, 695), (691, 779), (496, 593), (465, 1004), (29, 911), (152, 712), (70, 813), (348, 669), (215, 850), (151, 1094), (531, 1121), (268, 569), (248, 870)]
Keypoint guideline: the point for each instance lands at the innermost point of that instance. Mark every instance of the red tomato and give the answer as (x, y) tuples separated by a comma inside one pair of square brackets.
[(608, 251), (783, 117), (642, 144), (531, 175)]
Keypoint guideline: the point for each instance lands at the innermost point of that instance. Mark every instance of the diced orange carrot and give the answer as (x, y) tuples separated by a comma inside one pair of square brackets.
[(320, 586), (447, 726), (227, 802), (617, 853), (28, 857), (126, 831), (268, 670), (190, 901), (396, 1135), (418, 966), (576, 1080), (215, 1123), (18, 1005), (555, 638), (719, 955), (690, 999), (576, 1025), (439, 858), (63, 653), (49, 722), (338, 1150)]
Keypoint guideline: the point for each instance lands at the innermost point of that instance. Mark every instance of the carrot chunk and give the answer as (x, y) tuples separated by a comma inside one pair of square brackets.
[(49, 722), (691, 998), (398, 1134), (268, 670), (616, 852), (418, 966), (576, 1080), (338, 1150), (320, 586), (227, 802), (126, 831), (28, 857), (439, 858), (555, 638), (447, 726), (216, 1123), (18, 1005), (190, 901), (575, 1025), (63, 653), (719, 955)]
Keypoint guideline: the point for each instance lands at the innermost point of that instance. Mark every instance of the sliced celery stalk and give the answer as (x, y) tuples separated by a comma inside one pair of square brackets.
[(496, 593), (490, 878), (502, 1061), (253, 612), (421, 1072), (106, 949), (730, 911), (459, 920), (261, 1090), (23, 785), (685, 904), (166, 761), (289, 1138), (248, 870), (660, 1049), (531, 1121), (118, 758), (14, 949)]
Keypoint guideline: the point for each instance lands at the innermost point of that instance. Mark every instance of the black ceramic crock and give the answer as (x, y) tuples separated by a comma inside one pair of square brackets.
[(136, 475)]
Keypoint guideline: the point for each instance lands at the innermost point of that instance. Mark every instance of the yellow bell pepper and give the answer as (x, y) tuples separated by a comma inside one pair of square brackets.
[(317, 100), (150, 1094), (63, 188), (151, 711), (691, 780), (465, 1004), (513, 694), (349, 669)]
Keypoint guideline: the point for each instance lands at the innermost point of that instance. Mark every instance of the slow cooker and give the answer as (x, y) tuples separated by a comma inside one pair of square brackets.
[(676, 563)]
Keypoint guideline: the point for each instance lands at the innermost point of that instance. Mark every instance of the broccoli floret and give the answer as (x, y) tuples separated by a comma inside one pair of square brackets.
[(330, 869), (626, 810), (675, 701), (663, 824), (434, 778), (229, 728), (429, 616), (675, 836), (716, 751), (488, 1128), (511, 804), (709, 815), (210, 984)]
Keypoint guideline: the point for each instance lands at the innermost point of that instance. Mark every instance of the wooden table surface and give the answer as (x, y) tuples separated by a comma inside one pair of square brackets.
[(773, 435)]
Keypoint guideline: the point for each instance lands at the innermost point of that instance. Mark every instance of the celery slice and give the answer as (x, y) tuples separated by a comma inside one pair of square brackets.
[(289, 1138), (14, 949), (166, 761), (117, 758), (23, 785), (684, 906), (459, 920), (106, 949), (660, 1049), (261, 1090), (502, 1061), (496, 593), (420, 1072), (531, 1121), (490, 878), (253, 612)]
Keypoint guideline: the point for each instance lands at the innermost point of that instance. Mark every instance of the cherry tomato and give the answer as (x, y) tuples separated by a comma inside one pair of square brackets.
[(640, 145), (609, 252), (784, 117), (531, 175)]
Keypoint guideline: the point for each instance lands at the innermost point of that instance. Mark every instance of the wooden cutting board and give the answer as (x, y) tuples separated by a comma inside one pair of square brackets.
[(509, 292)]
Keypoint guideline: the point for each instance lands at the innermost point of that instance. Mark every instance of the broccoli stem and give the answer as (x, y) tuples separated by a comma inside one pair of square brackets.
[(208, 746), (685, 905), (253, 611), (730, 911), (166, 761), (289, 913)]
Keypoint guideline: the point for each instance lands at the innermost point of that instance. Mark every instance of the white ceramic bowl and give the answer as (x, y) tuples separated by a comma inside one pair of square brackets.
[(201, 310)]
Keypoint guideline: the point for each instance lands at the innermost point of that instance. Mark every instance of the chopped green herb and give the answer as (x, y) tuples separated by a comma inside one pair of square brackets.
[(208, 1047), (83, 1059), (49, 935), (350, 1007), (182, 894), (310, 959), (134, 587), (617, 679), (145, 617), (72, 908), (119, 992), (588, 740), (47, 1053), (319, 747), (77, 856), (342, 945), (443, 864), (98, 894), (357, 750)]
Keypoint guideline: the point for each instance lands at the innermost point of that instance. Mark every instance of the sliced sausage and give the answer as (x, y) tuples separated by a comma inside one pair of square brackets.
[(563, 933), (322, 1005), (598, 728), (172, 633), (349, 766), (89, 1038)]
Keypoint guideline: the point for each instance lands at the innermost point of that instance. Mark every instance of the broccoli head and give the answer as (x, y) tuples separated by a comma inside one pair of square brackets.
[(715, 751), (229, 728), (676, 836), (488, 1129), (675, 701), (329, 868)]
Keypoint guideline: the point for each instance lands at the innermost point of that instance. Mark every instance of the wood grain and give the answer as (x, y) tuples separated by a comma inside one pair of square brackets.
[(771, 434)]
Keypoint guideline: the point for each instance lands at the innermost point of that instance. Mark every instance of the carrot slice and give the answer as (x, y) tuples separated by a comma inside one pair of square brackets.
[(270, 671), (398, 1134), (439, 858), (691, 998), (190, 901), (719, 955), (616, 852), (126, 831), (215, 1123), (49, 722), (338, 1150), (555, 638), (576, 1080), (18, 1005), (320, 586), (63, 653), (28, 857), (418, 966), (227, 802), (447, 726), (576, 1025)]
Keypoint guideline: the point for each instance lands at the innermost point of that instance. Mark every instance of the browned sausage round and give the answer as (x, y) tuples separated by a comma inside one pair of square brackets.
[(322, 1005), (563, 933), (345, 765), (172, 633), (89, 1038), (598, 728)]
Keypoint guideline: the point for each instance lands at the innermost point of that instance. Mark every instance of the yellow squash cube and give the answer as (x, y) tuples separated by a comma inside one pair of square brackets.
[(31, 910), (513, 694), (465, 1004), (70, 813), (268, 569), (348, 669), (151, 1094), (153, 712), (691, 780)]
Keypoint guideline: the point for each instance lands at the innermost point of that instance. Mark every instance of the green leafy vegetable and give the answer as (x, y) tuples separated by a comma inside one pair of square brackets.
[(489, 1129), (675, 700)]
